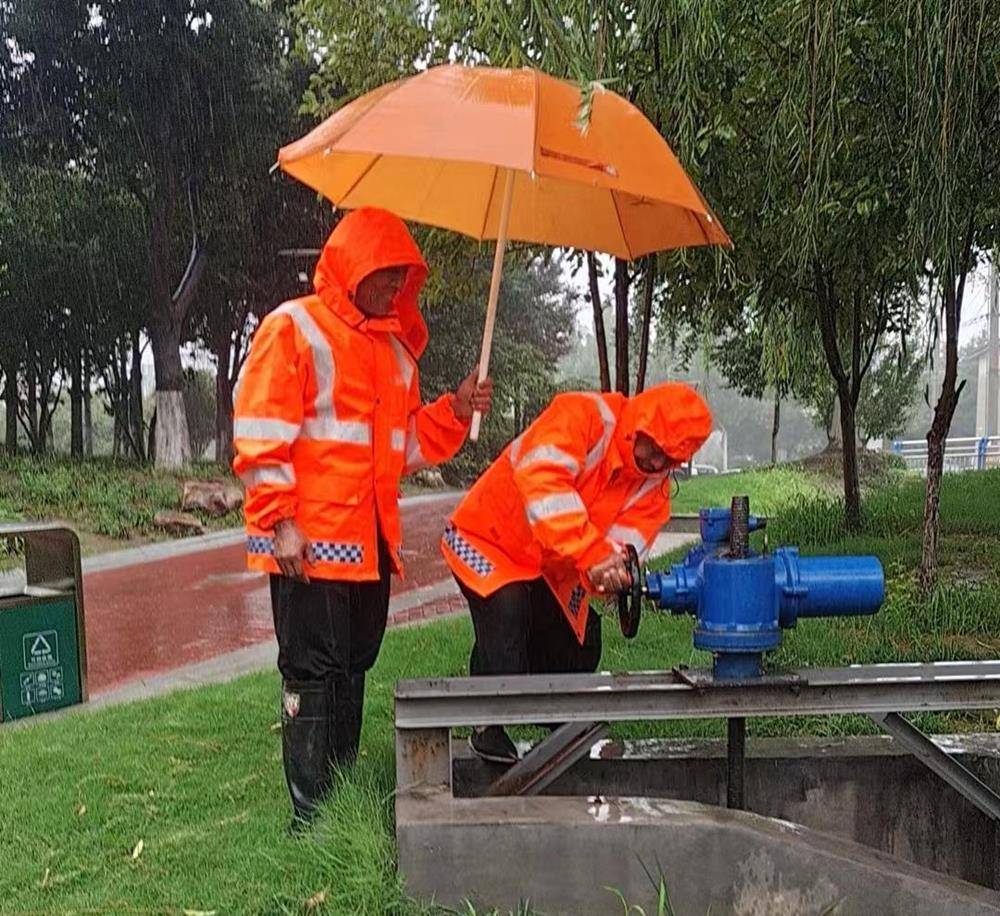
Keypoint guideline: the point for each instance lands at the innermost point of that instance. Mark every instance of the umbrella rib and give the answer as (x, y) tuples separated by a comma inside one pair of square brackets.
[(621, 227), (364, 174), (701, 226), (534, 138), (489, 201)]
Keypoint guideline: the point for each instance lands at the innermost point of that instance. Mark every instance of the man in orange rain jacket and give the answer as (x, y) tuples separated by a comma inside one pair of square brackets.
[(546, 525), (327, 419)]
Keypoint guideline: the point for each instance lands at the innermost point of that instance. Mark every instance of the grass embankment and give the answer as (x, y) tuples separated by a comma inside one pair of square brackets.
[(110, 503), (196, 777)]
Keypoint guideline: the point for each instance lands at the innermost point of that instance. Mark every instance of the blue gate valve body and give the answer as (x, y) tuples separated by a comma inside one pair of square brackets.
[(742, 603)]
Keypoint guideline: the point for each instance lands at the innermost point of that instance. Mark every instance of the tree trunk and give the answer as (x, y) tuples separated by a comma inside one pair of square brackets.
[(927, 575), (600, 339), (852, 482), (47, 411), (88, 420), (775, 428), (621, 326), (835, 431), (848, 386), (76, 407), (223, 415), (10, 408), (166, 320), (944, 411), (31, 378), (173, 442), (136, 421), (647, 317)]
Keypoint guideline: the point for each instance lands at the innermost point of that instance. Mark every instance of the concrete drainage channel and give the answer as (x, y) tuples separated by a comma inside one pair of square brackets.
[(855, 824), (852, 826)]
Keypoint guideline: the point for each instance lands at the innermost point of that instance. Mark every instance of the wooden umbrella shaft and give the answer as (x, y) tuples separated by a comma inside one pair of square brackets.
[(491, 307)]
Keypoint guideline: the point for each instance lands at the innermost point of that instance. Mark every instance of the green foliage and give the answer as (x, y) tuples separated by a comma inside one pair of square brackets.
[(101, 496), (534, 331), (188, 131), (199, 404), (888, 396), (358, 47), (73, 280)]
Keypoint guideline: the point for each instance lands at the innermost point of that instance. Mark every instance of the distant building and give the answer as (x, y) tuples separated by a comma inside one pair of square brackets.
[(984, 428)]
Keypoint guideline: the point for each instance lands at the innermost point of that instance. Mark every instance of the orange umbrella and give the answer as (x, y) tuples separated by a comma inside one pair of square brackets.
[(500, 154)]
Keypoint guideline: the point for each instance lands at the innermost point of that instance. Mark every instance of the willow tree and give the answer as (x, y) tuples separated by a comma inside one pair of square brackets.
[(949, 59)]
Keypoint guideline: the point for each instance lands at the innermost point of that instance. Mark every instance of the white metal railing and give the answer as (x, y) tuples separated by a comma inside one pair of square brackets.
[(962, 453)]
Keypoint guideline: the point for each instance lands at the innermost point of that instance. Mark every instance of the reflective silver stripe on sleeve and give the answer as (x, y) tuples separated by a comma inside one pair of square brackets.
[(415, 459), (548, 454), (280, 474), (265, 428), (553, 505), (330, 429), (625, 535), (398, 440)]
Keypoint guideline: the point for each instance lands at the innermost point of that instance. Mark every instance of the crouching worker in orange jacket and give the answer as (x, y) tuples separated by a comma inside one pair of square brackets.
[(546, 524), (327, 419)]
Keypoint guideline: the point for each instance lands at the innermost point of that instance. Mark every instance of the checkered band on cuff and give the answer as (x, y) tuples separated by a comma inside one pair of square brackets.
[(576, 600), (323, 551), (467, 553), (334, 552), (260, 544)]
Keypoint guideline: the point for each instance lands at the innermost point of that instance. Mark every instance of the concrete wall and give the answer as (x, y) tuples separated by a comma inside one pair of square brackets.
[(860, 789), (563, 854)]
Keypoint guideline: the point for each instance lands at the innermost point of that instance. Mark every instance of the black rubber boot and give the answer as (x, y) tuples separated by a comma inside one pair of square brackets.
[(494, 744), (305, 740), (347, 715)]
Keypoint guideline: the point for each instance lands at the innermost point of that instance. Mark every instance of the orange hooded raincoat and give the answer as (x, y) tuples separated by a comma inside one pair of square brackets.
[(567, 493), (327, 413)]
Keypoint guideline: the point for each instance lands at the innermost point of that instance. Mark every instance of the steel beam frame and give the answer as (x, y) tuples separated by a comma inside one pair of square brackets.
[(426, 710), (545, 699)]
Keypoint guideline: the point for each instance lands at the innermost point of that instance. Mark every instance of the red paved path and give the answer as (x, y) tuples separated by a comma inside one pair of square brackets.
[(152, 617)]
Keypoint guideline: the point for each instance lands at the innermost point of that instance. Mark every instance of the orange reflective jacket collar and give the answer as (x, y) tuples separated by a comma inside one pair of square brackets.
[(673, 414), (364, 241)]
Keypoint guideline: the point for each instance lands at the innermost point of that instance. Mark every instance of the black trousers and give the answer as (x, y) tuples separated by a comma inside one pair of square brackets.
[(327, 628), (521, 629), (329, 634)]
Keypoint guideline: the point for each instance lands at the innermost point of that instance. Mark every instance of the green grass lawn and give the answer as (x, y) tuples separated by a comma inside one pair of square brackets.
[(195, 777)]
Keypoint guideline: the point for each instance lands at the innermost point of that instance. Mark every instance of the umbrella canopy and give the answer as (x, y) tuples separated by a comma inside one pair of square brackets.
[(437, 148), (500, 154)]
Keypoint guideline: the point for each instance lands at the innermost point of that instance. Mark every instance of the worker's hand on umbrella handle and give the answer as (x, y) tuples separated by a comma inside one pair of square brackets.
[(473, 396), (611, 575), (292, 550)]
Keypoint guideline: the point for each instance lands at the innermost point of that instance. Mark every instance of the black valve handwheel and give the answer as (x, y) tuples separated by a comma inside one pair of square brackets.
[(630, 600)]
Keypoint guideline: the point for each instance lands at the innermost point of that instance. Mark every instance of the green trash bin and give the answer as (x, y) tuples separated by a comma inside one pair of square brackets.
[(43, 658)]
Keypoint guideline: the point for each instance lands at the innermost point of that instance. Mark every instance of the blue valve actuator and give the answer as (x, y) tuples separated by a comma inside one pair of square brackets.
[(741, 605)]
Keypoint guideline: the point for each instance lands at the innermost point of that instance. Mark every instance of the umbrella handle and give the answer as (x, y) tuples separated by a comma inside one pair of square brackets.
[(491, 307)]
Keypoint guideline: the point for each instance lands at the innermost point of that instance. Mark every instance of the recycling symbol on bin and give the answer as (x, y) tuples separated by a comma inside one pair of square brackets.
[(41, 650)]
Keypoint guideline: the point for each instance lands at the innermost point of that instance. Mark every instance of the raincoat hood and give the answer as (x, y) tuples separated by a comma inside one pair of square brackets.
[(672, 414), (364, 241)]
